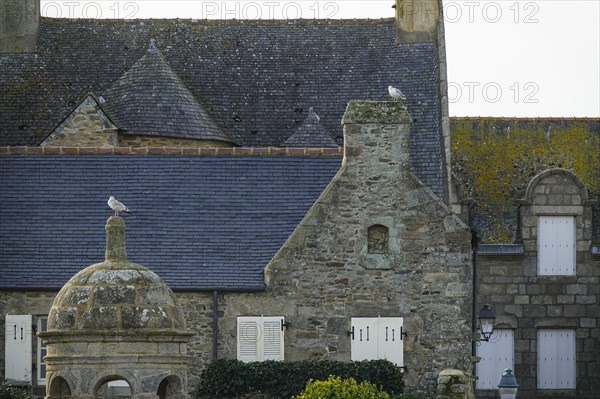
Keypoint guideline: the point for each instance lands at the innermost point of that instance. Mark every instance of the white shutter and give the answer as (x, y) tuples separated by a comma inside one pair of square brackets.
[(390, 341), (496, 356), (247, 339), (272, 338), (556, 245), (18, 349), (565, 251), (377, 338), (363, 344), (556, 359), (260, 338)]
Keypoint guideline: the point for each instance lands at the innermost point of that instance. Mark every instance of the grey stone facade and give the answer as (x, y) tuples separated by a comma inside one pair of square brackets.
[(527, 302)]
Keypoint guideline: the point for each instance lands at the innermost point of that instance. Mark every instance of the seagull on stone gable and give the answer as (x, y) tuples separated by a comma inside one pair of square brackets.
[(118, 206), (396, 94)]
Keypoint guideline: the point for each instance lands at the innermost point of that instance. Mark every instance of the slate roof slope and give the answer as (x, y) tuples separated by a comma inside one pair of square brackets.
[(200, 222), (310, 131), (256, 79), (496, 158), (151, 100)]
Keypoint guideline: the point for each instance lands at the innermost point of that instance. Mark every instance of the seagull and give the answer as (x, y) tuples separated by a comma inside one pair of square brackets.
[(396, 94), (118, 206)]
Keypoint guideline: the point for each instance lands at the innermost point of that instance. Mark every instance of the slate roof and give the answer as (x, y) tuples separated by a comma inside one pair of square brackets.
[(257, 79), (201, 222), (496, 158), (151, 100), (310, 131)]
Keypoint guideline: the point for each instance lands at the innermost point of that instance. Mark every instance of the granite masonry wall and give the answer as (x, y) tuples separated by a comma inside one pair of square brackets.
[(330, 271), (526, 302)]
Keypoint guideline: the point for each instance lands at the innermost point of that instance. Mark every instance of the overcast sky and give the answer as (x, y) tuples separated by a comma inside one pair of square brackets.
[(505, 58)]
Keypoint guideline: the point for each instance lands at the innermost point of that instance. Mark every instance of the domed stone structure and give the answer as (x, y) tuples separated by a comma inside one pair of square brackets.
[(116, 321)]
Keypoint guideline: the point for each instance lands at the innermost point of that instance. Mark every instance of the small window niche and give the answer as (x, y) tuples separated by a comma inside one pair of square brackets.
[(377, 254), (378, 239)]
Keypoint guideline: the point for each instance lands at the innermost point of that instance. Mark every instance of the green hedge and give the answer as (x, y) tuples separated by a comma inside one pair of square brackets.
[(8, 391), (229, 378)]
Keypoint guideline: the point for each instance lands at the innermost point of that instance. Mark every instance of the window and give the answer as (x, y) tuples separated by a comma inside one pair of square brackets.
[(377, 239), (496, 355), (42, 325), (260, 338), (556, 245), (18, 361), (556, 359), (377, 338)]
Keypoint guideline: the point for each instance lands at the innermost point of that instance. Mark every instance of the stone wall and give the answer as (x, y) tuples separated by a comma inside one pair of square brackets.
[(86, 126), (325, 274), (526, 302)]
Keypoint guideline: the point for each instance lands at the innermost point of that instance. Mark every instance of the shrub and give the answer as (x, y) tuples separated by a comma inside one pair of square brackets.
[(8, 391), (229, 378), (338, 388)]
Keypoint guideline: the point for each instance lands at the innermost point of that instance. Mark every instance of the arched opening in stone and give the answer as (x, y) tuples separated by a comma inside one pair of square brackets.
[(378, 239), (170, 388), (113, 387), (59, 388)]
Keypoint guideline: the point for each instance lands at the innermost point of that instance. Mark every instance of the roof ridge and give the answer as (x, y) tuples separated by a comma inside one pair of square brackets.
[(185, 151)]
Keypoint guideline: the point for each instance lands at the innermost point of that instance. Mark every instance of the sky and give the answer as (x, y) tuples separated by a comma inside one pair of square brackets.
[(513, 58)]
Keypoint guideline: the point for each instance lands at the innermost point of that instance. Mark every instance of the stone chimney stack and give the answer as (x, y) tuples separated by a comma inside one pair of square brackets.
[(19, 26), (115, 239), (376, 141), (417, 21)]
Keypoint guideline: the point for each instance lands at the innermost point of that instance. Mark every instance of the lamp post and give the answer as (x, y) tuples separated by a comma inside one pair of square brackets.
[(485, 322), (508, 385)]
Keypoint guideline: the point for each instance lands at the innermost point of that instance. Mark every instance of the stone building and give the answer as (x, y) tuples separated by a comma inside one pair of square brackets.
[(531, 187), (284, 235)]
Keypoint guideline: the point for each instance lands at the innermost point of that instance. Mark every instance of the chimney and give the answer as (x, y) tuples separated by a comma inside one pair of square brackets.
[(417, 21), (115, 239), (19, 26), (376, 139)]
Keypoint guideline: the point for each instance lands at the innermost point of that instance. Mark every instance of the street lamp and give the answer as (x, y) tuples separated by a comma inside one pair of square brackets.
[(485, 322), (508, 385)]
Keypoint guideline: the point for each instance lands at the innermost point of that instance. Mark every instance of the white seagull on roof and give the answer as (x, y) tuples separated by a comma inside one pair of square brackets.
[(118, 206), (396, 94)]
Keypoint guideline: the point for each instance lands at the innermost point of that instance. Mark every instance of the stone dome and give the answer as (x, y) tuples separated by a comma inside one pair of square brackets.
[(116, 321), (115, 295)]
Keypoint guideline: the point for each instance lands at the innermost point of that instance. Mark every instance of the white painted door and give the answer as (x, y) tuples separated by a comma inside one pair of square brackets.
[(496, 355), (556, 359), (18, 348)]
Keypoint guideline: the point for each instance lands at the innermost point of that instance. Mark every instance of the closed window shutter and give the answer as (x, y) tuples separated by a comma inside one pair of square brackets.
[(18, 349), (565, 252), (556, 359), (260, 338), (273, 338), (363, 345), (247, 339), (556, 245), (496, 356), (377, 338)]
